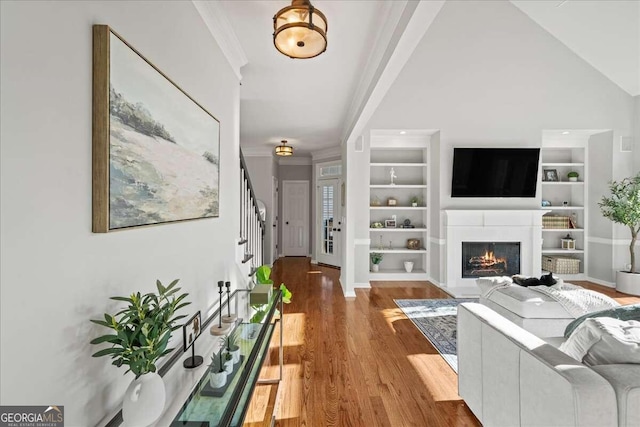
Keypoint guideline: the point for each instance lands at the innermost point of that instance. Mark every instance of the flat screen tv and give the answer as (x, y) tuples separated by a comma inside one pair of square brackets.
[(495, 172)]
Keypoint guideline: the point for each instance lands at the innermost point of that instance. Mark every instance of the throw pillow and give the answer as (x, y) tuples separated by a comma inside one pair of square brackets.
[(604, 341), (625, 312), (487, 284)]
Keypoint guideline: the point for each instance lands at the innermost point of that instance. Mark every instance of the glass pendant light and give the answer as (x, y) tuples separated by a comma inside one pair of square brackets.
[(300, 30)]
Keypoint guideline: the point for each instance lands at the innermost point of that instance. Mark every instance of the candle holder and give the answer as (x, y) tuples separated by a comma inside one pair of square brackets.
[(220, 329), (229, 318)]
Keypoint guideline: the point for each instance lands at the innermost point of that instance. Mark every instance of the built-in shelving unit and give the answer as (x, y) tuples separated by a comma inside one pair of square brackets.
[(567, 198), (410, 166)]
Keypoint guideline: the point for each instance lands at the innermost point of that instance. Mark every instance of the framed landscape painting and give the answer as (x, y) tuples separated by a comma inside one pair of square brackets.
[(155, 149)]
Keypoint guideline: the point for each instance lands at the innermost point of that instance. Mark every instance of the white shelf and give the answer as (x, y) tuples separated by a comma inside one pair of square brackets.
[(403, 208), (560, 165), (398, 274), (398, 186), (564, 230), (562, 251), (398, 251), (399, 230), (398, 164), (562, 182), (563, 208)]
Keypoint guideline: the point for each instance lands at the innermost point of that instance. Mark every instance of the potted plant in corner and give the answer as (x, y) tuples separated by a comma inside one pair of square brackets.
[(376, 259), (623, 207), (573, 176), (141, 333)]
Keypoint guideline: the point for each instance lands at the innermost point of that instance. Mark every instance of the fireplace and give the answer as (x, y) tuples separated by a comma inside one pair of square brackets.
[(483, 259)]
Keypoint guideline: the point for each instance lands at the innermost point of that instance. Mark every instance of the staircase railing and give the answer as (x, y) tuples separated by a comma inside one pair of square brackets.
[(252, 227)]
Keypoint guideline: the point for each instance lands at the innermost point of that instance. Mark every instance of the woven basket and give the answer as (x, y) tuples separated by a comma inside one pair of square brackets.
[(560, 265)]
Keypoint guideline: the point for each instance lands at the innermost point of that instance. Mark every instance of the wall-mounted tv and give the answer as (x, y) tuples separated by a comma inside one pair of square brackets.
[(495, 172)]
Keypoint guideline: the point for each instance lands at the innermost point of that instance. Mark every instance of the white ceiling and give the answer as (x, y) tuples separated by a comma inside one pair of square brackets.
[(312, 102)]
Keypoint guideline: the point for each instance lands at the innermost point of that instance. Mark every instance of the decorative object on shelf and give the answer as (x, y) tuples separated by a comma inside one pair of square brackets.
[(377, 225), (392, 175), (300, 30), (568, 242), (546, 203), (228, 361), (565, 203), (217, 375), (375, 201), (221, 328), (555, 222), (232, 346), (140, 347), (573, 176), (413, 244), (389, 223), (407, 224), (623, 207), (550, 175), (380, 243), (283, 149), (391, 201), (408, 266), (560, 264), (229, 318), (573, 220), (190, 332), (414, 201), (376, 259), (146, 171)]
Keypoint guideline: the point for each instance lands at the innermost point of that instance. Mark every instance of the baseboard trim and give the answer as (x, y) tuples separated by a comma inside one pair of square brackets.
[(365, 285), (313, 261), (601, 282)]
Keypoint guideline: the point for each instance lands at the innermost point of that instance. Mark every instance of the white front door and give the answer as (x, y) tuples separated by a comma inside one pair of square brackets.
[(295, 218), (329, 222)]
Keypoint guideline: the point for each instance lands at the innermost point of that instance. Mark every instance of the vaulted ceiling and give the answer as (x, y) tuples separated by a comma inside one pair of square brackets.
[(313, 103)]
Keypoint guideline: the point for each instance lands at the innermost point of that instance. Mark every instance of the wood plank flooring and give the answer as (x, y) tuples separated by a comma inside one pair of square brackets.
[(359, 362)]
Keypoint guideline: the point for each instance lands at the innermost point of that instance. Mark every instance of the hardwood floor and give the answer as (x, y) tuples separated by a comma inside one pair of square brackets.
[(359, 362)]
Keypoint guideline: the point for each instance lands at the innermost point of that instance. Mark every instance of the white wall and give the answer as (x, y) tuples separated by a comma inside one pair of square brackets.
[(56, 274), (486, 74)]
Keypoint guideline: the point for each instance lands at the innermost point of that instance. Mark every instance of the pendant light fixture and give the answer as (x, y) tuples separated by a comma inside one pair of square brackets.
[(300, 30), (284, 149)]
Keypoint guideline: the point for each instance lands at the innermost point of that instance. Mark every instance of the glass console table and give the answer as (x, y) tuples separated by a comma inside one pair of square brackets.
[(203, 410)]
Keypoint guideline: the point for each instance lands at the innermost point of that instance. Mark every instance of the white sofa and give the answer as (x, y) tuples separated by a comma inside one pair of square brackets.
[(509, 377)]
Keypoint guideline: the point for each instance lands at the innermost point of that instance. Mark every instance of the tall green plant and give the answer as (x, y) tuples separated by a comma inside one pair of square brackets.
[(143, 329), (623, 207), (263, 274)]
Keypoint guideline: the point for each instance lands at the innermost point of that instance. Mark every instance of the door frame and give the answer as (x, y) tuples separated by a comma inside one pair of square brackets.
[(337, 223), (317, 232), (284, 211)]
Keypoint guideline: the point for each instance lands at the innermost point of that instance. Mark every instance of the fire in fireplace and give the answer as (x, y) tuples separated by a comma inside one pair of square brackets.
[(483, 259)]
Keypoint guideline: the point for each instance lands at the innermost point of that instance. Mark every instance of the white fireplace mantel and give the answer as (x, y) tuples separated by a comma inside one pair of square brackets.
[(524, 226)]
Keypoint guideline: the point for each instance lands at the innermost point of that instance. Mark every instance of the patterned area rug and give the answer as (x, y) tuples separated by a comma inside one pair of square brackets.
[(436, 319)]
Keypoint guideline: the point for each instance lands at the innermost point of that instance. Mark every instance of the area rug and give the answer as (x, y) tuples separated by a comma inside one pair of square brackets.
[(436, 319)]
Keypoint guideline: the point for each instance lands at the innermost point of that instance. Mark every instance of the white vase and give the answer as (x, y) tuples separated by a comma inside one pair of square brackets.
[(408, 266), (573, 178), (144, 400), (217, 379), (628, 283), (375, 268), (228, 366), (235, 354)]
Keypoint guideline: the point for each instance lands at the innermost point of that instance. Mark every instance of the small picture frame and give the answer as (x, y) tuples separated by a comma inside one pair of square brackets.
[(389, 223), (550, 175), (191, 330)]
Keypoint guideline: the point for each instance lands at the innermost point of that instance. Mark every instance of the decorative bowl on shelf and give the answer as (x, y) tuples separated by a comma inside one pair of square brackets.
[(413, 243)]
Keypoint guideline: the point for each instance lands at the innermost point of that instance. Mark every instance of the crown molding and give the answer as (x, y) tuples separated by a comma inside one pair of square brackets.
[(257, 151), (222, 31), (294, 161), (326, 153)]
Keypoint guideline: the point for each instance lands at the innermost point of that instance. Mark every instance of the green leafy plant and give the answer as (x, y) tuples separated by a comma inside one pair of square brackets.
[(217, 363), (414, 199), (623, 207), (143, 329), (573, 174), (231, 340), (376, 257), (263, 277)]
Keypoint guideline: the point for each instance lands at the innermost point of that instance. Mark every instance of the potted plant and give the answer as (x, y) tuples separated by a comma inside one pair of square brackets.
[(263, 274), (623, 207), (414, 201), (376, 259), (232, 346), (228, 361), (217, 375), (573, 176), (141, 333)]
